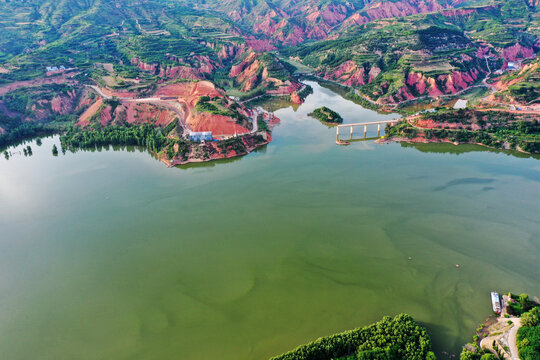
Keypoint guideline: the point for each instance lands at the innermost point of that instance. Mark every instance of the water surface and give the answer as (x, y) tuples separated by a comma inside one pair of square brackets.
[(112, 255)]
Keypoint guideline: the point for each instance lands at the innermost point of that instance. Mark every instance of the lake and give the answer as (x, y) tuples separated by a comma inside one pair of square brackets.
[(112, 255)]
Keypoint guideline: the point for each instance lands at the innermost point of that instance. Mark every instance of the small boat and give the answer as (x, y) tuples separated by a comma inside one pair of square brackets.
[(496, 302)]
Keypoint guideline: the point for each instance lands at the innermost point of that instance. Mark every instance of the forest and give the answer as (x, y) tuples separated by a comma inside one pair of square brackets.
[(389, 339)]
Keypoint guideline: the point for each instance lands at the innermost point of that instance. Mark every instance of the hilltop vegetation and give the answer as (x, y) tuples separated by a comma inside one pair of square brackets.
[(326, 115), (389, 339)]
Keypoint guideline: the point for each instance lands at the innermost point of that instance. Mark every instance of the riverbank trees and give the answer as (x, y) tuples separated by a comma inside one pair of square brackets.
[(141, 135), (499, 130), (528, 337), (389, 339)]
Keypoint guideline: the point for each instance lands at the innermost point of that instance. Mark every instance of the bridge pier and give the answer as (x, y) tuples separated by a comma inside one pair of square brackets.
[(365, 125)]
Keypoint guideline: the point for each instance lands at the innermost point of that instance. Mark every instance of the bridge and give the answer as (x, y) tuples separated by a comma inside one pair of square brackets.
[(365, 125)]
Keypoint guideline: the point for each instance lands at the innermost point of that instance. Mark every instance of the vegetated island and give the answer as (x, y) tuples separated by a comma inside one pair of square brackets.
[(326, 115), (509, 130), (515, 330), (389, 339)]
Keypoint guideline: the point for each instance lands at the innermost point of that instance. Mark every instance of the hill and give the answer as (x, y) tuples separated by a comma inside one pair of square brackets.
[(444, 52)]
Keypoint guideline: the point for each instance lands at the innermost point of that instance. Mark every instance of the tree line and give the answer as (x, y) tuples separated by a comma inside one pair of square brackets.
[(389, 339), (137, 135)]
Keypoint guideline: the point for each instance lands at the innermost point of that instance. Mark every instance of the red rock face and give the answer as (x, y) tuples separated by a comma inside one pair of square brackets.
[(295, 22), (84, 119), (179, 72), (417, 85), (467, 12), (252, 73), (203, 65), (295, 99), (106, 116), (286, 88), (483, 51), (63, 104), (246, 72), (237, 70), (350, 74), (516, 52), (143, 66), (389, 9), (418, 82)]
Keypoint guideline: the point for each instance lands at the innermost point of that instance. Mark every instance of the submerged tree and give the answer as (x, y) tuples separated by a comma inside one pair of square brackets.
[(54, 150)]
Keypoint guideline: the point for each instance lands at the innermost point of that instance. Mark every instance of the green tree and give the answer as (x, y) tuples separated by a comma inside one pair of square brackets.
[(531, 318), (468, 355), (389, 339), (54, 150), (488, 357), (525, 302), (170, 152)]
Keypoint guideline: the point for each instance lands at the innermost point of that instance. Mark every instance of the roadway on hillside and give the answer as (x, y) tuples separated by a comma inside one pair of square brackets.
[(180, 109)]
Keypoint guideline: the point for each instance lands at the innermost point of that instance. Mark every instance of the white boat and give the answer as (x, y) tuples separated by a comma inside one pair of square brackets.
[(496, 302)]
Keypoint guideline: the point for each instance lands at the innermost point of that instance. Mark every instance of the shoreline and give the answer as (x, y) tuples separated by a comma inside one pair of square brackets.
[(443, 141), (217, 156)]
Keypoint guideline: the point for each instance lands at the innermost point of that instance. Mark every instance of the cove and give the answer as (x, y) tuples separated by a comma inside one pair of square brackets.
[(110, 254)]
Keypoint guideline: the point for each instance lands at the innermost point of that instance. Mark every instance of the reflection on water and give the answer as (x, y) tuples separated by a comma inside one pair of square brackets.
[(353, 139), (210, 164), (446, 148), (464, 181)]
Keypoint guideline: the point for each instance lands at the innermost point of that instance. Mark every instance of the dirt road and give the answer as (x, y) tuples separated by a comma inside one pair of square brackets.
[(512, 338)]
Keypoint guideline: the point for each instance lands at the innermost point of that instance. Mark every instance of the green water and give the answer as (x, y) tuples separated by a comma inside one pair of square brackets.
[(112, 255)]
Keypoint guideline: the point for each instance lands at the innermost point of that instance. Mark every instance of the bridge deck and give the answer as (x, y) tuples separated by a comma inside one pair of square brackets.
[(369, 123)]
